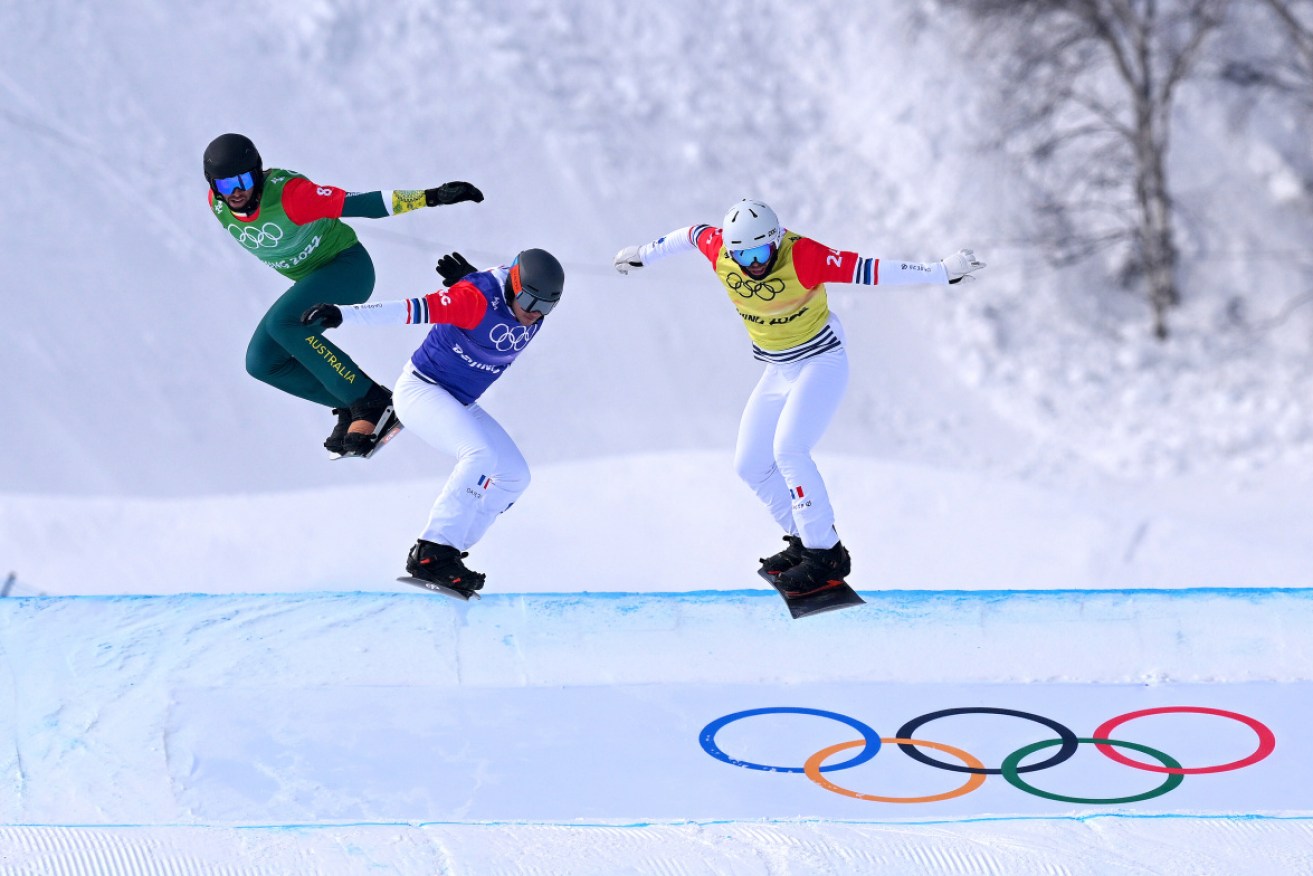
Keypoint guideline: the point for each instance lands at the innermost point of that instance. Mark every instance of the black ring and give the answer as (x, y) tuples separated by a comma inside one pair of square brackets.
[(908, 731)]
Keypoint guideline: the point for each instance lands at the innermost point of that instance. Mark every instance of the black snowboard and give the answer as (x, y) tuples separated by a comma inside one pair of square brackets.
[(831, 599), (453, 592)]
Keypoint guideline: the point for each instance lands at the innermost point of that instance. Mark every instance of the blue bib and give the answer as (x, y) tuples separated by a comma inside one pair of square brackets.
[(465, 362)]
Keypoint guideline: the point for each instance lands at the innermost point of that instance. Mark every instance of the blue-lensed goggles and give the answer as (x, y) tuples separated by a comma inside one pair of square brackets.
[(757, 255), (230, 184)]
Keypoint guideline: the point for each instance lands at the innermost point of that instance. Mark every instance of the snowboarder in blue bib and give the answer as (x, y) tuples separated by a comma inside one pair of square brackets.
[(482, 321)]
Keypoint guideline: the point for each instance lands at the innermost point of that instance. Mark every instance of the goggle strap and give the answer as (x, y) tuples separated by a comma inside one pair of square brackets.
[(525, 298)]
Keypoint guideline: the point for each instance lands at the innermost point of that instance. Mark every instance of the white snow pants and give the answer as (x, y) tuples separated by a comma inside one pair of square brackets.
[(787, 413), (490, 471)]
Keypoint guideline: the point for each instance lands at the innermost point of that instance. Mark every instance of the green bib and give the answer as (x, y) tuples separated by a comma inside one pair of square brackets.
[(292, 250)]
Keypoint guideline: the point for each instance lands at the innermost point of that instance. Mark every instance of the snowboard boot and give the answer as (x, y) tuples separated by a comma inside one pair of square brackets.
[(820, 569), (335, 443), (441, 564), (772, 566), (370, 418)]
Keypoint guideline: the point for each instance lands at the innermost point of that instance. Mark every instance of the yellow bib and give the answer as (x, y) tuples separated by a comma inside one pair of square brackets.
[(778, 311)]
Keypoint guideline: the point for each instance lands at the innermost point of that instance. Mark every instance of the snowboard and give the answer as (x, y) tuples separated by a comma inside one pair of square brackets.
[(830, 599), (391, 426), (453, 592)]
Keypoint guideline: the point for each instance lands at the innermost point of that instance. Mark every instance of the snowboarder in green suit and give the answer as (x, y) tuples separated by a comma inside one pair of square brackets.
[(295, 227)]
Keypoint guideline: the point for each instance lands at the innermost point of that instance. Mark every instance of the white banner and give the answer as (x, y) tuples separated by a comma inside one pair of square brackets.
[(700, 752)]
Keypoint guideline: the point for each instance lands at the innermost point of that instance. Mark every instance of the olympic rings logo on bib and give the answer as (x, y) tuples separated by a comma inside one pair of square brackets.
[(766, 290), (506, 338), (252, 237), (1066, 741)]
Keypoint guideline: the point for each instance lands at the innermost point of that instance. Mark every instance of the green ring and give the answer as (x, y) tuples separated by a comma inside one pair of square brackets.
[(1014, 760)]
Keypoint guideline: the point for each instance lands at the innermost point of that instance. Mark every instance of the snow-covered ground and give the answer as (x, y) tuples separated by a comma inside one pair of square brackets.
[(671, 522), (1022, 432), (575, 733)]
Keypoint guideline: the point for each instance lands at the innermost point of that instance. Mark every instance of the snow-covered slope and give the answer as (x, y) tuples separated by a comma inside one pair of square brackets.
[(128, 310), (133, 310), (669, 522), (568, 734)]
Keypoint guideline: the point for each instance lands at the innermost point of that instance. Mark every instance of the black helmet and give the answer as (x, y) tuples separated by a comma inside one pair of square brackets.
[(536, 281), (230, 155)]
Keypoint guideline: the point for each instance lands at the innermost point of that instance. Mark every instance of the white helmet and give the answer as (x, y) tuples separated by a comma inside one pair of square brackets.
[(751, 223)]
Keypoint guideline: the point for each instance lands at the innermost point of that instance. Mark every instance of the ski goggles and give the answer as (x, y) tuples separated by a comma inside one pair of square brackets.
[(525, 297), (757, 255), (230, 184)]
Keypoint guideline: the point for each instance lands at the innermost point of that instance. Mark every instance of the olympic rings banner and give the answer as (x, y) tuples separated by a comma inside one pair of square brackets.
[(838, 751), (1113, 738)]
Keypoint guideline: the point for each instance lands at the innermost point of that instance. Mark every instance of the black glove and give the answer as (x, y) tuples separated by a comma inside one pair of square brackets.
[(454, 268), (452, 193), (326, 315)]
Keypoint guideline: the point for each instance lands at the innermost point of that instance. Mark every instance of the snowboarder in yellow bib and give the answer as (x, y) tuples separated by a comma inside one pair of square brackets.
[(776, 280)]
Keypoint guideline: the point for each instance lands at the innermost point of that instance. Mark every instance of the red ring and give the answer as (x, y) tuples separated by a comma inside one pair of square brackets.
[(1267, 740)]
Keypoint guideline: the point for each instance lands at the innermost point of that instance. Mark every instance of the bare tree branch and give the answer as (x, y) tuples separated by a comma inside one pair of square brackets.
[(1092, 84)]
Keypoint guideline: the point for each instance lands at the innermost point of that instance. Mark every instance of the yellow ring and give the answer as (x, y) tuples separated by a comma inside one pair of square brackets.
[(813, 770)]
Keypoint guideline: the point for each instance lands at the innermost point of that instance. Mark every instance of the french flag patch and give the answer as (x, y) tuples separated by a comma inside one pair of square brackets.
[(485, 481), (796, 492)]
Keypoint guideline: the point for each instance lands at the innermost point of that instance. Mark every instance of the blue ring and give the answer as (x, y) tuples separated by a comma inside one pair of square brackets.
[(708, 739)]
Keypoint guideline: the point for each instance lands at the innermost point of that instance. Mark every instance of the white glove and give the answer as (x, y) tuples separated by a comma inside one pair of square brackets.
[(960, 265), (628, 260)]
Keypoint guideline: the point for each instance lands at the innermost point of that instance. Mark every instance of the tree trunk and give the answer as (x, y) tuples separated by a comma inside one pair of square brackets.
[(1152, 112), (1156, 232)]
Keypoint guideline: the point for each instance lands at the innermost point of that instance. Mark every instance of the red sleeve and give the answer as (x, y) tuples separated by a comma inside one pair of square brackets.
[(709, 240), (816, 263), (463, 306), (304, 202)]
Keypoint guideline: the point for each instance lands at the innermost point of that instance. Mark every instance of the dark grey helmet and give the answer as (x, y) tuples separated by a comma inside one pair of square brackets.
[(536, 281), (229, 155)]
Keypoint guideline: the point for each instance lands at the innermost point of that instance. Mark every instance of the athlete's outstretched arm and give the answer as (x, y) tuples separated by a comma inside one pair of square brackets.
[(306, 202), (462, 305), (817, 263), (700, 237)]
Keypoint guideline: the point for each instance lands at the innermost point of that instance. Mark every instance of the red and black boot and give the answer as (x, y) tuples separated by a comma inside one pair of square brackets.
[(774, 565), (820, 569), (335, 443), (441, 564), (373, 422)]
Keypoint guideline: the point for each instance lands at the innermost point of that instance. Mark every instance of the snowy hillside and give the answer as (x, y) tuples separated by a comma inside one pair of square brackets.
[(129, 311)]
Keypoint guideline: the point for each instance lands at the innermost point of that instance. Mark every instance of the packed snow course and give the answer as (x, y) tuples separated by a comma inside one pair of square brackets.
[(334, 732)]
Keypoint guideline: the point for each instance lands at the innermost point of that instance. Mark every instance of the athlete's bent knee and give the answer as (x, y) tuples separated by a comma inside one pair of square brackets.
[(753, 470), (259, 366), (789, 458)]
